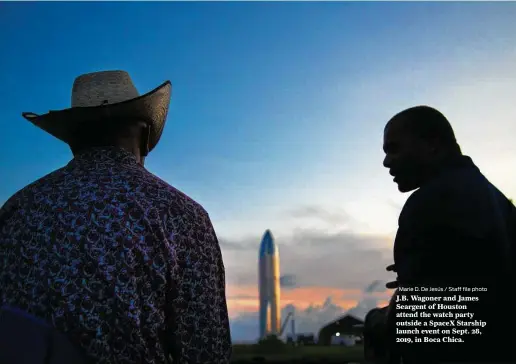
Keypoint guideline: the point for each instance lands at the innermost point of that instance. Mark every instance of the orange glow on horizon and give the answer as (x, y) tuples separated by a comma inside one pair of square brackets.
[(244, 299)]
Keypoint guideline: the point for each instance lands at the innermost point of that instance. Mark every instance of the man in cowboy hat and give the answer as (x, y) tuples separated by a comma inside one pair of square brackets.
[(455, 231), (123, 264)]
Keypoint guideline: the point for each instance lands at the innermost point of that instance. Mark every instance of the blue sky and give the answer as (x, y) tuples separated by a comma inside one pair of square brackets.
[(277, 111)]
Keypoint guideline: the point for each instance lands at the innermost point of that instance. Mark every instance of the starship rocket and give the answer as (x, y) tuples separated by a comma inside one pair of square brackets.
[(269, 286)]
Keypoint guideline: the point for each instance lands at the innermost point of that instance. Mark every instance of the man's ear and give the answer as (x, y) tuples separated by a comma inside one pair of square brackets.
[(429, 147)]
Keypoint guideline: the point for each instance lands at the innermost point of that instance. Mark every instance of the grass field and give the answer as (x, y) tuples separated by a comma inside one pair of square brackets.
[(300, 354)]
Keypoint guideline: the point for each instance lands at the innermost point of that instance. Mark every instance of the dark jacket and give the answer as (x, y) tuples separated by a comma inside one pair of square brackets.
[(458, 230), (375, 339), (25, 339)]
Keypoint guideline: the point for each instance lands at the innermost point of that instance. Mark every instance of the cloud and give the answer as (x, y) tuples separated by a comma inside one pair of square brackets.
[(375, 286), (335, 216), (326, 217), (366, 304), (243, 297), (242, 244), (244, 328), (395, 205), (314, 257), (330, 272), (309, 319), (288, 281)]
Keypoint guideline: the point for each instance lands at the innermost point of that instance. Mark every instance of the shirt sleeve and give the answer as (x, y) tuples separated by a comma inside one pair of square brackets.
[(197, 318)]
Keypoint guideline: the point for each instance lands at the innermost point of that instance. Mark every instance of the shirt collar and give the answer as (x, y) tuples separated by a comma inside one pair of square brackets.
[(108, 155)]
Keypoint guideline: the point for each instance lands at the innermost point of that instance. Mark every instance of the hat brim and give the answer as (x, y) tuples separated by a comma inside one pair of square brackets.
[(151, 107)]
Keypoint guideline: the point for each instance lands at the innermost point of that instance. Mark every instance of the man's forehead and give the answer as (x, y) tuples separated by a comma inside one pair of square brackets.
[(396, 129), (395, 125)]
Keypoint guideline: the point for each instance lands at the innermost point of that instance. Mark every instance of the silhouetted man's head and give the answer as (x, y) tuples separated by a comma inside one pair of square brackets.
[(417, 141), (131, 135)]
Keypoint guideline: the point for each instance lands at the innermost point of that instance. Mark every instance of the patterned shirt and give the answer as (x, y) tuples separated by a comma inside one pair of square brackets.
[(124, 264)]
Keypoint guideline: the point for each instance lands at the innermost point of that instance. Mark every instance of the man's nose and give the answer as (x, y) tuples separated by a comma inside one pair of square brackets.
[(387, 161)]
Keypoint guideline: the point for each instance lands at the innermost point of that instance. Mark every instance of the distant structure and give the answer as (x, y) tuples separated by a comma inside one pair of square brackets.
[(269, 287), (340, 330)]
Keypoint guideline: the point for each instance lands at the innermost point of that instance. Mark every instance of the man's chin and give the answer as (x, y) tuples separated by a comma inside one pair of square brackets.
[(404, 187)]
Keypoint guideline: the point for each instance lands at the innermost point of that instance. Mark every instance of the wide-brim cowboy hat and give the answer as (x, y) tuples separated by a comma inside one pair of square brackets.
[(107, 95)]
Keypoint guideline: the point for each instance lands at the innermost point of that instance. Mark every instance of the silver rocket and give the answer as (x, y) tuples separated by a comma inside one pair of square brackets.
[(269, 286)]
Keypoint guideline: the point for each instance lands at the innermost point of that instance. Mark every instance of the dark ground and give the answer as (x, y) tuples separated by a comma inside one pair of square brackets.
[(301, 354)]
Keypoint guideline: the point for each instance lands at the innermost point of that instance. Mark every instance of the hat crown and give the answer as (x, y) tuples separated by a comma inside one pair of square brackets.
[(101, 88)]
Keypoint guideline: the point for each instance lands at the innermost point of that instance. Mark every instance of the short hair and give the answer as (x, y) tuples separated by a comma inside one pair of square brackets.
[(426, 123)]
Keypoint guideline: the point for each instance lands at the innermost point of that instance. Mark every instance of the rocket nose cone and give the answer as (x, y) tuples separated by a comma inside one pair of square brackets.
[(268, 235), (268, 246)]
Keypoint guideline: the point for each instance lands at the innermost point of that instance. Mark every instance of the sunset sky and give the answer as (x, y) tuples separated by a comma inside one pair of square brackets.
[(276, 119)]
